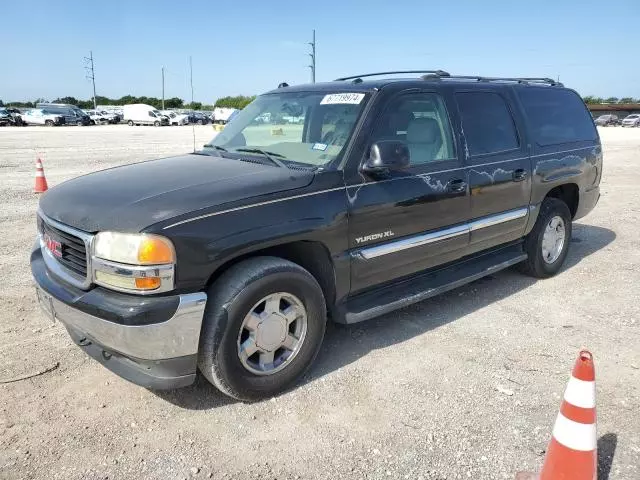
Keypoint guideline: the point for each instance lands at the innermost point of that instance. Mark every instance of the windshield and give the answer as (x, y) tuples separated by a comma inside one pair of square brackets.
[(309, 128)]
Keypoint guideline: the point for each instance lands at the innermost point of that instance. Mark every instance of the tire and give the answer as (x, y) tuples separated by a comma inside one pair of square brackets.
[(200, 122), (130, 123), (156, 123), (230, 299), (536, 265), (48, 123)]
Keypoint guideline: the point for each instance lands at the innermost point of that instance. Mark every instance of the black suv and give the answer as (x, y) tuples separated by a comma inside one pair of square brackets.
[(347, 200)]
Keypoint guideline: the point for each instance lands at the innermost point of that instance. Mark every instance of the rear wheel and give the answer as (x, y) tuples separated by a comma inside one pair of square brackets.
[(130, 123), (156, 123), (49, 123), (200, 122), (547, 244), (263, 327)]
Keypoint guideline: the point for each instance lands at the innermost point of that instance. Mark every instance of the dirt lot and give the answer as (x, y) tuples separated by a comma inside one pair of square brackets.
[(466, 385)]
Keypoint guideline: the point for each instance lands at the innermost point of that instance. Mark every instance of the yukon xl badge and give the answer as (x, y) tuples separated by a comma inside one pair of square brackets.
[(375, 236)]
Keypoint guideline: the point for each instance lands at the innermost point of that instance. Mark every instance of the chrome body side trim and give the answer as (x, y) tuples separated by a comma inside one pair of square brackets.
[(165, 272), (416, 241), (497, 219), (58, 269), (426, 238), (177, 337)]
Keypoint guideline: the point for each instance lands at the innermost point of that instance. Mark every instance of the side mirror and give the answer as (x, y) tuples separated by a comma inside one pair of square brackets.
[(386, 156)]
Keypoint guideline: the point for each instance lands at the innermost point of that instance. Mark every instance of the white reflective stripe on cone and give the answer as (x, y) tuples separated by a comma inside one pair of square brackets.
[(39, 173), (580, 393), (577, 436)]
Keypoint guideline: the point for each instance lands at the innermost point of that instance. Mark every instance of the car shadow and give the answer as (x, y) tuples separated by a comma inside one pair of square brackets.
[(606, 450), (344, 344)]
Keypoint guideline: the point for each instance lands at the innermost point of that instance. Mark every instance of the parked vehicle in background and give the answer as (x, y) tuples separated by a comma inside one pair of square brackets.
[(40, 116), (199, 118), (231, 260), (632, 120), (96, 117), (607, 120), (10, 116), (142, 114), (175, 118), (115, 110), (221, 115), (72, 114)]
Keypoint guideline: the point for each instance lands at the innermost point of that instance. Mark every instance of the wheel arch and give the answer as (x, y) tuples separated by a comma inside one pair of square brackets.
[(311, 255), (569, 193)]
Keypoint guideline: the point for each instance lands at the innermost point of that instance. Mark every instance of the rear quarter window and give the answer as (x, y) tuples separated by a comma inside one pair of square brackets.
[(556, 116)]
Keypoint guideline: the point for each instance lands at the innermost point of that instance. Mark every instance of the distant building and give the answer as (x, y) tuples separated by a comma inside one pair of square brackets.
[(619, 109)]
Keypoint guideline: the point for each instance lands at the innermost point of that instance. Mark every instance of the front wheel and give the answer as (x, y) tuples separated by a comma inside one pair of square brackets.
[(263, 327), (547, 245), (156, 123), (49, 123), (130, 123)]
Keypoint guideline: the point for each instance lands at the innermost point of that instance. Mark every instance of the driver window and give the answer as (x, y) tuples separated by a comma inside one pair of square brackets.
[(420, 120)]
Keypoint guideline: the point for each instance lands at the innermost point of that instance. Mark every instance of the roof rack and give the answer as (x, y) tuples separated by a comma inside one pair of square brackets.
[(442, 75), (438, 73), (522, 80)]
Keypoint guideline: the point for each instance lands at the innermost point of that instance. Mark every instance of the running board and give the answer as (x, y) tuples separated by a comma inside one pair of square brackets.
[(384, 300)]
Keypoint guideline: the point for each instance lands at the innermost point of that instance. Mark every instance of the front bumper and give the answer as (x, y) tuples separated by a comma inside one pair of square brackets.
[(150, 341)]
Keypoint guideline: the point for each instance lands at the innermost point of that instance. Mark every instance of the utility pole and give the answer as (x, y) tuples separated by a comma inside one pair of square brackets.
[(313, 57), (163, 88), (91, 75)]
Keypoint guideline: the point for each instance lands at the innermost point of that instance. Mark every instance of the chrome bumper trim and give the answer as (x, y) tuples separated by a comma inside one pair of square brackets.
[(177, 337)]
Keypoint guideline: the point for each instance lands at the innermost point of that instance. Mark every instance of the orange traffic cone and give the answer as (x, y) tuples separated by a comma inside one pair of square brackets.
[(41, 181), (572, 451)]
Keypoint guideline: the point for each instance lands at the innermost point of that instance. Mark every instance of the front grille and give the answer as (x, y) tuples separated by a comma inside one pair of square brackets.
[(74, 250)]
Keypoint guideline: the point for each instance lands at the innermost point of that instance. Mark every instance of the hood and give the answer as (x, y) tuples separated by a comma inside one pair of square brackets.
[(133, 197)]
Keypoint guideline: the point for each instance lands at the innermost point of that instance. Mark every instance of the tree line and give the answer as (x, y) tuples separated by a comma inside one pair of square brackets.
[(238, 101), (591, 100)]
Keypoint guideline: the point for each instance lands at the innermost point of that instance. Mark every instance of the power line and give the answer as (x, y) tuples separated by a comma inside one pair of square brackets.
[(313, 57), (91, 75)]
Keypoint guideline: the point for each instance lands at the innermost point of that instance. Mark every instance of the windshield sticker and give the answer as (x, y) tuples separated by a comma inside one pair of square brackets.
[(344, 98), (319, 146)]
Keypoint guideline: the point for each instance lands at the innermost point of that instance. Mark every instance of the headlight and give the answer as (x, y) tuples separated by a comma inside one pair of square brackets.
[(137, 263), (133, 249)]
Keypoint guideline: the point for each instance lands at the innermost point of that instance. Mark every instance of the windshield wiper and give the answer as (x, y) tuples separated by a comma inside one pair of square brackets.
[(269, 155)]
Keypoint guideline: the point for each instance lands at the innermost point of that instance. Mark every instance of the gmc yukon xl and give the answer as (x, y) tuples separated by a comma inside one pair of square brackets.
[(383, 192)]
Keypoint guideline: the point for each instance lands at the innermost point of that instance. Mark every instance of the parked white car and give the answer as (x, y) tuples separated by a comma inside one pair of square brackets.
[(97, 118), (222, 114), (632, 120), (38, 116), (142, 114), (176, 118)]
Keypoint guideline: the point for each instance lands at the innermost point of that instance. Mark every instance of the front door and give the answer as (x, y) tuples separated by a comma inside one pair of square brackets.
[(415, 219), (499, 167)]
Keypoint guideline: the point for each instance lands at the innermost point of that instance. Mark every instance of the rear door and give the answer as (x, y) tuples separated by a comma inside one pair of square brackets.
[(415, 219), (499, 165)]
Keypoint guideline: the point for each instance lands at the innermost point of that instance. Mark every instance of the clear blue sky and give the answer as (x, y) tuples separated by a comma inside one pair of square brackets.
[(247, 47)]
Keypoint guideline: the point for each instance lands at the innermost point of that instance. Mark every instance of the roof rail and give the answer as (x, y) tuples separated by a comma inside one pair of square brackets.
[(437, 73), (522, 80)]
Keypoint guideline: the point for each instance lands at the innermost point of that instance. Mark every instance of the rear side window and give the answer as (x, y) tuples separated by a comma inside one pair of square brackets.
[(556, 116), (487, 123)]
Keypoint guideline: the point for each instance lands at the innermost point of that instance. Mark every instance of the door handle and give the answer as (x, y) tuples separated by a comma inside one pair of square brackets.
[(457, 186), (519, 175)]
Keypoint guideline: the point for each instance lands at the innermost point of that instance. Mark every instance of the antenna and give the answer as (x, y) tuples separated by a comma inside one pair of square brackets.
[(163, 88), (193, 125), (91, 75)]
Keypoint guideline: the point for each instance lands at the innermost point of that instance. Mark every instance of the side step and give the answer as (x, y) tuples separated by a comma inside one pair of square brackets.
[(384, 300)]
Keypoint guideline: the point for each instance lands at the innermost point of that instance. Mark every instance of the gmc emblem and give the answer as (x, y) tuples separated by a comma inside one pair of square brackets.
[(53, 246)]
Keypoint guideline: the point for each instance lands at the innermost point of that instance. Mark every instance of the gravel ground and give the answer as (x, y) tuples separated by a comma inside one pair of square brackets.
[(465, 385)]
